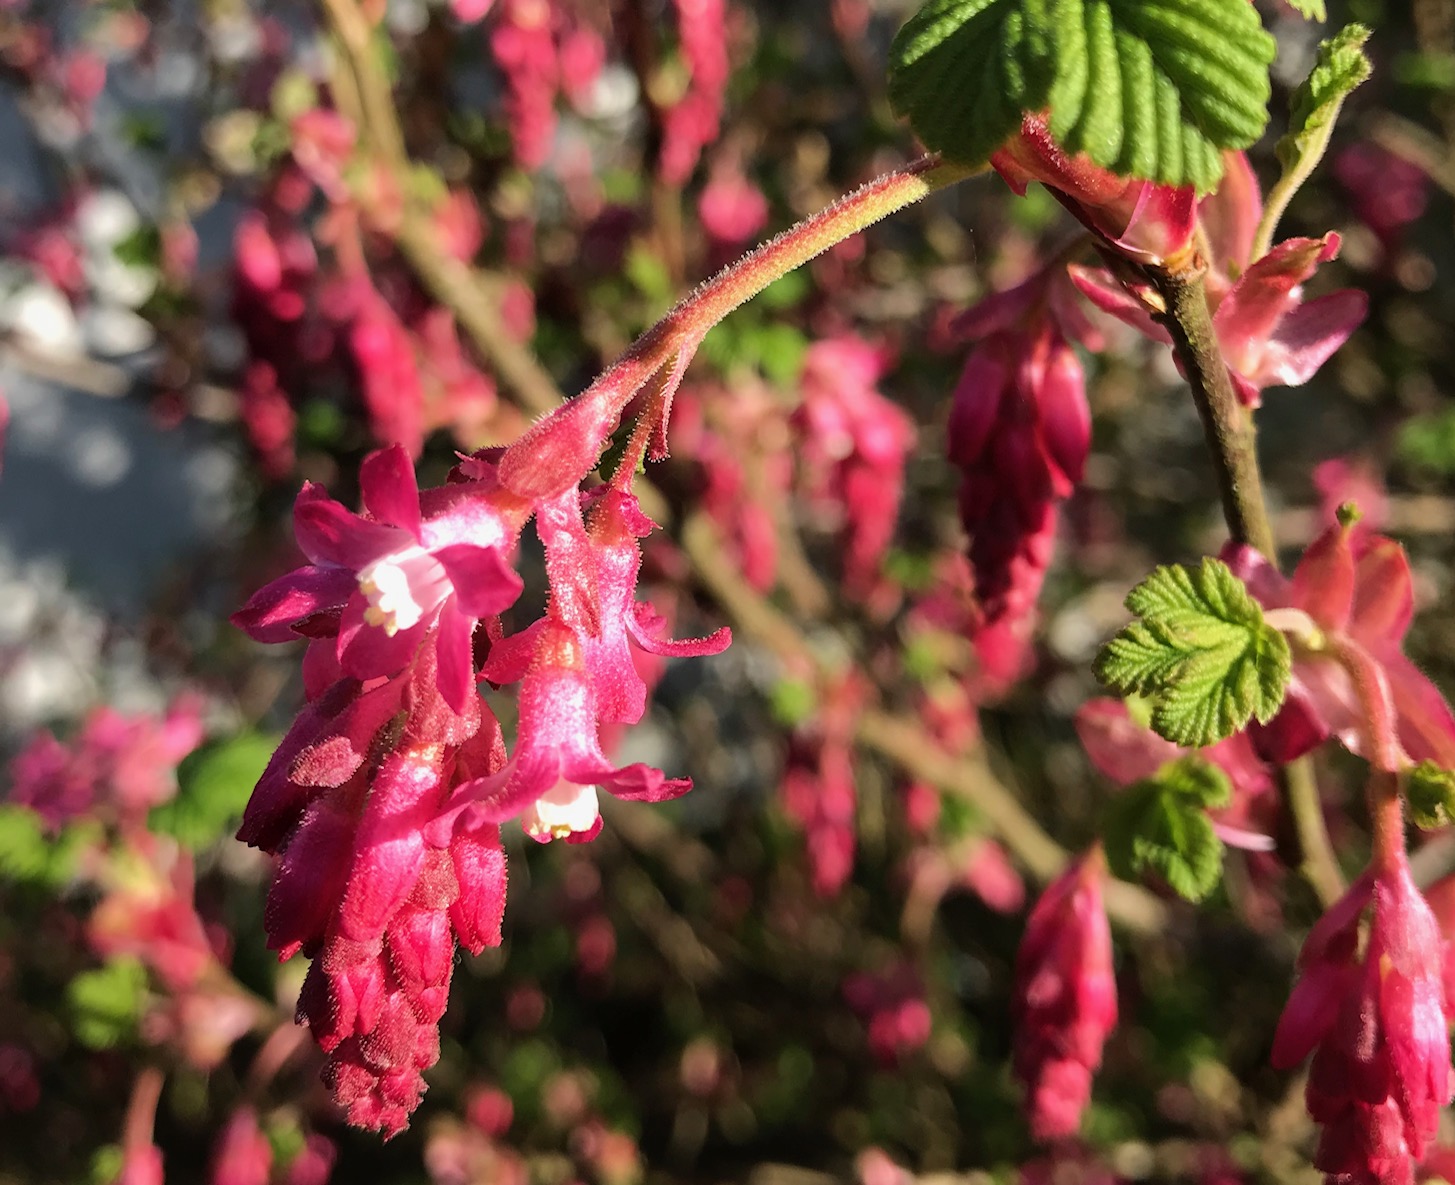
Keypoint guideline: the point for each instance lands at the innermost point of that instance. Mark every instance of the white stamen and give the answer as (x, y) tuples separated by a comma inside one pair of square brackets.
[(401, 588), (562, 810)]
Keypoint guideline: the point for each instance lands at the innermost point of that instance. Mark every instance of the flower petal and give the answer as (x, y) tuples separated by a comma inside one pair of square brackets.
[(643, 783), (1323, 582), (329, 533), (366, 651), (1119, 747), (646, 627), (1064, 414), (1108, 294), (389, 488), (272, 611), (1384, 597), (455, 657), (1426, 724), (484, 583), (1230, 216), (1308, 336), (975, 403), (1264, 294)]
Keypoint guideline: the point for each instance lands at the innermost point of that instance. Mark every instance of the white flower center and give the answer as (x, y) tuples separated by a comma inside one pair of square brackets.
[(402, 587), (562, 810)]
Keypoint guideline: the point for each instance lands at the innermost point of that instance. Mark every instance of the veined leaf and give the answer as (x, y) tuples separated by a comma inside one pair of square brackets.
[(1146, 88), (1160, 825), (1340, 66), (1201, 653)]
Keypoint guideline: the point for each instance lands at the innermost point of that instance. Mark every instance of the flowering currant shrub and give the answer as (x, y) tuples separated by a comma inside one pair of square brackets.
[(1069, 554)]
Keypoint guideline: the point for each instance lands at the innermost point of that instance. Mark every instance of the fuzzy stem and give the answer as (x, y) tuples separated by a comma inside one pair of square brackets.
[(1380, 723), (1232, 443)]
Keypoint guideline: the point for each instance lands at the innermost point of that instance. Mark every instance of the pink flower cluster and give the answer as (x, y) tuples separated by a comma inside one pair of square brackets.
[(1377, 1028), (119, 766), (542, 48), (854, 446), (385, 800), (1065, 998), (1020, 430), (691, 124), (892, 1005), (818, 791)]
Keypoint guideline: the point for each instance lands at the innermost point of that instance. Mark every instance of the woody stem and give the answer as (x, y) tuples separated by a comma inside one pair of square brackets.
[(1232, 442)]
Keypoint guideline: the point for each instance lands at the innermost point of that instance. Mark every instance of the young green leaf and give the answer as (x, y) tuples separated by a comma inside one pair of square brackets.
[(1339, 67), (1430, 791), (106, 1003), (965, 71), (1146, 88), (1310, 10), (1160, 825), (1201, 652)]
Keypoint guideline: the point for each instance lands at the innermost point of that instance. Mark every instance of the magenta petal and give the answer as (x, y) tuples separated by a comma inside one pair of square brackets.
[(1065, 415), (1161, 223), (975, 404), (1110, 296), (389, 845), (1263, 295), (329, 533), (366, 651), (646, 626), (504, 795), (479, 864), (643, 783), (484, 583), (1000, 311), (389, 488), (1230, 216), (1384, 597), (1296, 730), (272, 611), (1426, 724), (1308, 336), (1323, 582), (510, 658), (1119, 747), (456, 660), (1264, 581)]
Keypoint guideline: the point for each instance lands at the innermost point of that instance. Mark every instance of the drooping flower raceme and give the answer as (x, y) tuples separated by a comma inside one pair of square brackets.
[(1376, 1027), (384, 802)]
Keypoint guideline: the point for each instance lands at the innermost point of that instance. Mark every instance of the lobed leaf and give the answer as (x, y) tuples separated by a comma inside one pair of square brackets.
[(1159, 825), (1430, 791), (1340, 66), (1201, 653), (1154, 89)]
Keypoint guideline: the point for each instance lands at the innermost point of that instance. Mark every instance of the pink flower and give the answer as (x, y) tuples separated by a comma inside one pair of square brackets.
[(1269, 334), (732, 208), (854, 444), (1357, 590), (1387, 191), (412, 568), (692, 123), (1377, 1030), (243, 1155), (1065, 998), (1149, 223)]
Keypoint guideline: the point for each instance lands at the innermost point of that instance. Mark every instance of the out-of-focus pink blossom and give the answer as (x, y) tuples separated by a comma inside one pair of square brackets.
[(892, 1005), (853, 447), (1065, 998), (1388, 192), (991, 876), (732, 209), (243, 1155), (691, 124)]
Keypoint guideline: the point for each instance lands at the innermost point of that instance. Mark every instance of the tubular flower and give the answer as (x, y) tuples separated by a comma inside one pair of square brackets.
[(1019, 430), (379, 583), (1377, 1029), (1356, 588), (1065, 998)]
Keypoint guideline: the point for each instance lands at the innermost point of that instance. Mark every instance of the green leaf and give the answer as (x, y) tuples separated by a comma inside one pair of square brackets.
[(24, 850), (213, 788), (1145, 88), (105, 1004), (1201, 652), (1159, 825), (965, 71), (1430, 791), (1310, 10), (1158, 88), (1339, 67)]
